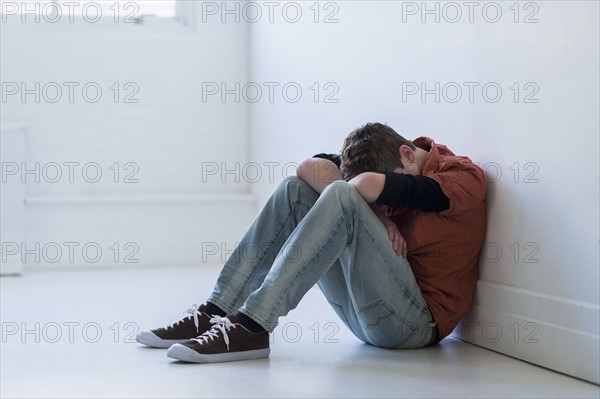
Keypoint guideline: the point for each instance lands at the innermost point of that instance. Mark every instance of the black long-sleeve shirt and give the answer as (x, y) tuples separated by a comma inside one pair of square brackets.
[(406, 191)]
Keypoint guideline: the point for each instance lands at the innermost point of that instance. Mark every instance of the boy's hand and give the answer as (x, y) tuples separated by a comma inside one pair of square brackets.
[(398, 242), (369, 185)]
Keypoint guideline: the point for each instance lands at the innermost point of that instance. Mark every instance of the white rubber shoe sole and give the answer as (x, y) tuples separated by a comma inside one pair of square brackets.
[(148, 338), (183, 353)]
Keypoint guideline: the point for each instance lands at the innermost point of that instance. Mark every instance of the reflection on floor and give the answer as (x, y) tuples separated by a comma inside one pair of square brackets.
[(68, 334)]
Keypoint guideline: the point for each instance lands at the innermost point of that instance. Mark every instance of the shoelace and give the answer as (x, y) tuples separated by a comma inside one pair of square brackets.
[(193, 312), (221, 325)]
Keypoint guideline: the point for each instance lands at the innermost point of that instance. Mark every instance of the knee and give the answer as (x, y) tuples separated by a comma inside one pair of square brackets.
[(294, 181), (342, 190), (298, 188), (339, 185)]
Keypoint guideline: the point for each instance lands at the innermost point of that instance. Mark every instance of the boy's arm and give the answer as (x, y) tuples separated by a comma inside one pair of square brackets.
[(369, 184), (401, 191), (319, 172)]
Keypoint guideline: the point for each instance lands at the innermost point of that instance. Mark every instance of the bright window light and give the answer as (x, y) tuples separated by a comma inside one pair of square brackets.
[(114, 9)]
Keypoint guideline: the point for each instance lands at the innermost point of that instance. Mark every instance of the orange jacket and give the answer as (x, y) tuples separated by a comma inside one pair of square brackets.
[(444, 248)]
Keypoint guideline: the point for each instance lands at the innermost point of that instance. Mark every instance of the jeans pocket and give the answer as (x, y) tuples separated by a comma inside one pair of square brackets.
[(383, 326)]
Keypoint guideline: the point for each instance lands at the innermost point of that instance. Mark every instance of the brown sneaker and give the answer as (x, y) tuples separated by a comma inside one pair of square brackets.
[(226, 341), (189, 327)]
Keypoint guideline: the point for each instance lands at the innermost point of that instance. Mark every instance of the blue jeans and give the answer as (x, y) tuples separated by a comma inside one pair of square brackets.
[(335, 240)]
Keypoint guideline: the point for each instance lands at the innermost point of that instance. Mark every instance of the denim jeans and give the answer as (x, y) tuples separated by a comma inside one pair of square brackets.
[(335, 240)]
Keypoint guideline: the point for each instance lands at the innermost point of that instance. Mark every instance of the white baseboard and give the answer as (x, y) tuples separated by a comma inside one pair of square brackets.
[(147, 230), (553, 332)]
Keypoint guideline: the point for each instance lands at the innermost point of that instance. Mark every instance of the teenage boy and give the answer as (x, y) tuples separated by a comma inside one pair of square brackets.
[(390, 230)]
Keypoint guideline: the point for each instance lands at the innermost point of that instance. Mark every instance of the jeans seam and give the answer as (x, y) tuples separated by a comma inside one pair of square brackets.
[(414, 327), (302, 270), (393, 269), (245, 283), (262, 256)]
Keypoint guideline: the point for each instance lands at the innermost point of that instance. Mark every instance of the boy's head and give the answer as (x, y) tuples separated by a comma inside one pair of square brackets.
[(372, 148)]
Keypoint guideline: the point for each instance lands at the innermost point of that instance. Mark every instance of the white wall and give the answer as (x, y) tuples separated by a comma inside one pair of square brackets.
[(370, 52), (166, 138), (12, 192)]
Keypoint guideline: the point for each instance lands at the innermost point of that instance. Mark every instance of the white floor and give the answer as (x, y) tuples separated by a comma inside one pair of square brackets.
[(97, 312)]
